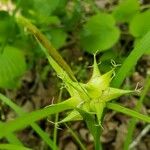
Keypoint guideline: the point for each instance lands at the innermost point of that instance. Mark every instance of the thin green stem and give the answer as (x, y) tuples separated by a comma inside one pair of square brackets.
[(56, 120), (75, 136), (132, 122)]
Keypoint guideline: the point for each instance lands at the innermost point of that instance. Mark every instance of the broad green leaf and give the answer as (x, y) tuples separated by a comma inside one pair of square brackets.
[(99, 33), (12, 66), (126, 9), (58, 37), (140, 24), (45, 7)]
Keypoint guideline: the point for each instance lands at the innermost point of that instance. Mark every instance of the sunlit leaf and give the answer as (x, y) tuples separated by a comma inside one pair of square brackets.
[(12, 66), (126, 9), (140, 24), (99, 33)]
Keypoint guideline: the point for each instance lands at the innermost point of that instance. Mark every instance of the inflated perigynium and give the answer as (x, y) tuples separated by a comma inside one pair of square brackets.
[(92, 96)]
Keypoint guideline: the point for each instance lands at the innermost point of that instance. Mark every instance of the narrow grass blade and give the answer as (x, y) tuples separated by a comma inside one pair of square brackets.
[(28, 118), (35, 126), (47, 45), (132, 122), (128, 112), (131, 60), (11, 138), (13, 147)]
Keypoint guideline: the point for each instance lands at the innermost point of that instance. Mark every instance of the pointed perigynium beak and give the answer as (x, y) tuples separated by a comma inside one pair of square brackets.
[(93, 96)]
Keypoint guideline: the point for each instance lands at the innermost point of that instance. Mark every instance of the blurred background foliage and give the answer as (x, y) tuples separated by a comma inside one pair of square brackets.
[(75, 26)]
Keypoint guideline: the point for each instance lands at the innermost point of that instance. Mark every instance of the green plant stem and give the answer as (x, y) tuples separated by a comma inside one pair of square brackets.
[(36, 127), (56, 120), (132, 122), (131, 60), (127, 111), (28, 118), (75, 137)]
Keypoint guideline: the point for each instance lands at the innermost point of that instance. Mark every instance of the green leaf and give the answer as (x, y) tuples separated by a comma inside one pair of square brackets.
[(54, 57), (12, 147), (4, 25), (141, 47), (126, 9), (10, 137), (45, 7), (28, 118), (93, 127), (127, 111), (12, 66), (140, 24), (58, 37), (99, 33)]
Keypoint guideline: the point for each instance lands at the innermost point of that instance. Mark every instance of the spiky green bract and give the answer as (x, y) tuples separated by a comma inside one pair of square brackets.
[(92, 96)]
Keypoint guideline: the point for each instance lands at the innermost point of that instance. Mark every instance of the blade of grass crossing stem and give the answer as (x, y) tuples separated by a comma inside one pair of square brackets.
[(47, 45), (13, 147), (82, 147), (36, 127), (132, 59), (28, 118), (132, 122), (127, 111), (11, 138)]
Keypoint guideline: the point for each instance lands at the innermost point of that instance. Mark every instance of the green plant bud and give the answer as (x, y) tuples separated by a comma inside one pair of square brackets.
[(93, 96), (97, 85)]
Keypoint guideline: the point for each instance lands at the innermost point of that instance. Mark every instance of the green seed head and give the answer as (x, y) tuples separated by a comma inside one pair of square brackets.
[(93, 96)]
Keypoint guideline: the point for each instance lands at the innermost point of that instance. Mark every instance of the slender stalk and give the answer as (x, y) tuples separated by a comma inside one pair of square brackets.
[(132, 122), (56, 120), (75, 137)]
